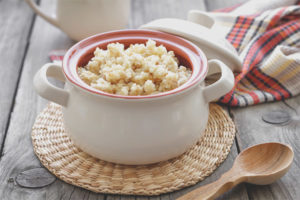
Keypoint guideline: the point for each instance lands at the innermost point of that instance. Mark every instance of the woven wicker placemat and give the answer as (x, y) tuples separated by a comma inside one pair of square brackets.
[(58, 154)]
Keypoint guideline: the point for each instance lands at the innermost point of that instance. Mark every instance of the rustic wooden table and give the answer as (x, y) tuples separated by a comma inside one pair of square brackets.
[(26, 40)]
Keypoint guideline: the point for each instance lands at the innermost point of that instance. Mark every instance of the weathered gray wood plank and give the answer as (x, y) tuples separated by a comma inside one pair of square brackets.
[(127, 198), (145, 11), (155, 198), (253, 130), (217, 4), (15, 26), (113, 197), (236, 193), (143, 198), (18, 153)]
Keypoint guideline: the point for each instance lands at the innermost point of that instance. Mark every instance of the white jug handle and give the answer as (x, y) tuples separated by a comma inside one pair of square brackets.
[(200, 17), (221, 86), (47, 90), (36, 8)]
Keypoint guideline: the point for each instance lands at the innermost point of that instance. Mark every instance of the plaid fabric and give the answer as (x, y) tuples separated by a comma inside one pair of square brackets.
[(267, 43)]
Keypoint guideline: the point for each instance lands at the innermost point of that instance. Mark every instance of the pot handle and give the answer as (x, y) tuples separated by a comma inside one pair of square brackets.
[(47, 90), (221, 86), (38, 11)]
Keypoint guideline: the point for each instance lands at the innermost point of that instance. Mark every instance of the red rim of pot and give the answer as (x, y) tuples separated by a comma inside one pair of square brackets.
[(189, 55)]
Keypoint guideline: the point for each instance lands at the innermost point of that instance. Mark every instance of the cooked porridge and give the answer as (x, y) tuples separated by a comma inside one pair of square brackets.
[(138, 70)]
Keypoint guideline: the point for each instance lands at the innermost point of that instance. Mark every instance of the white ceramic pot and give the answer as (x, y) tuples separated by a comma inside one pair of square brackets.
[(134, 129), (82, 18)]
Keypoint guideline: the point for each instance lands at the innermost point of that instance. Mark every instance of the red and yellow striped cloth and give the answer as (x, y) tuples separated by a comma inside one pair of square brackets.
[(268, 43)]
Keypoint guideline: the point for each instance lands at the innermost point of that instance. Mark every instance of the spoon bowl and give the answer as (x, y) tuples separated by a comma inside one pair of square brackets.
[(265, 163), (261, 164)]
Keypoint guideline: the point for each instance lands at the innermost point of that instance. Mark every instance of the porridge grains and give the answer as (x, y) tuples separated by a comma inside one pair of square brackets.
[(149, 87), (138, 70)]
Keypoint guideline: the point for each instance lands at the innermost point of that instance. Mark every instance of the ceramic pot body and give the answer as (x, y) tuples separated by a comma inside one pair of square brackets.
[(134, 129), (82, 18), (135, 132)]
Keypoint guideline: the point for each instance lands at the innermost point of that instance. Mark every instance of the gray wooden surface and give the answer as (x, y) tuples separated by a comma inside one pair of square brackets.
[(26, 40)]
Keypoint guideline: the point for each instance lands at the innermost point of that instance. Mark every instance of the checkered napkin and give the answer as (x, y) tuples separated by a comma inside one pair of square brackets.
[(266, 34)]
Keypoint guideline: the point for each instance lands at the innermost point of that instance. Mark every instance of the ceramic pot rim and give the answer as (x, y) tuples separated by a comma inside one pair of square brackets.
[(190, 52)]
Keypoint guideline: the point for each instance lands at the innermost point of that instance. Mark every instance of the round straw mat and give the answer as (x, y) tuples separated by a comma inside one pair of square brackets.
[(57, 152)]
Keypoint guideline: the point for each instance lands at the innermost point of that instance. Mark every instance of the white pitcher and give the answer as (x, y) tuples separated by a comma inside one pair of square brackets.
[(82, 18)]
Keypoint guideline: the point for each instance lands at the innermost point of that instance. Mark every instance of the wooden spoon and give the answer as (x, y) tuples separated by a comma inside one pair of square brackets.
[(260, 164)]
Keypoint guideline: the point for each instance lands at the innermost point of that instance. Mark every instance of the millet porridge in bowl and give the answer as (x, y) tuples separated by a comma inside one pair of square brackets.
[(138, 70)]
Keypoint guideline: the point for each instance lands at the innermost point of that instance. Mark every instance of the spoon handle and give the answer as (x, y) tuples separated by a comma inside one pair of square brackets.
[(215, 189)]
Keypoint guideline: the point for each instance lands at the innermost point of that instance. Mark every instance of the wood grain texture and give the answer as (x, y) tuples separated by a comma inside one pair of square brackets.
[(276, 117), (146, 11), (128, 198), (253, 130), (217, 4), (238, 192), (18, 153), (15, 22), (260, 164), (28, 105), (35, 178)]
